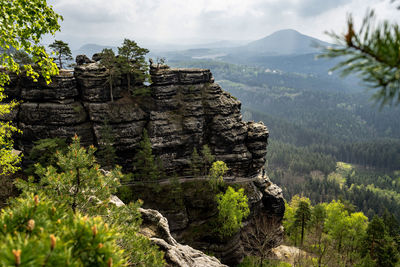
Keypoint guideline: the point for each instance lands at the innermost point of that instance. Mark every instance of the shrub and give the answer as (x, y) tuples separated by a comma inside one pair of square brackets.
[(34, 232)]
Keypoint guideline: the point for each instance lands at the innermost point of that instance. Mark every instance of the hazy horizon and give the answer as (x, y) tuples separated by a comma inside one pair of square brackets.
[(156, 22)]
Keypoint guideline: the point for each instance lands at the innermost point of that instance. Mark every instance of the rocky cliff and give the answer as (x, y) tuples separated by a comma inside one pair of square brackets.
[(184, 110)]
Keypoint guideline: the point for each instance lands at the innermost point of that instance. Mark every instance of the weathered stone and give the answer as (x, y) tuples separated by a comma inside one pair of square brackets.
[(93, 83), (126, 135), (185, 111), (155, 226), (180, 76), (113, 112), (52, 113), (96, 57), (83, 59), (257, 131), (35, 132), (62, 87)]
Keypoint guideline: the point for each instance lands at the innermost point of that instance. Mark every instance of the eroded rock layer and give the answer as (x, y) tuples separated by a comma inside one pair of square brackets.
[(185, 110)]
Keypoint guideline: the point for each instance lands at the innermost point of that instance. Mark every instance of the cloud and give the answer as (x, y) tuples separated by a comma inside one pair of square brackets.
[(176, 21), (308, 8)]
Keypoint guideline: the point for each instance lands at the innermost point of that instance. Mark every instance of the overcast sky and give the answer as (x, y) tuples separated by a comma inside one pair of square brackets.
[(108, 22)]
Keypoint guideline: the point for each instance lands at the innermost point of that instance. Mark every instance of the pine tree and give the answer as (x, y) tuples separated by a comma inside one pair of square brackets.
[(373, 52), (106, 154), (37, 232), (132, 62), (79, 185), (145, 167), (195, 163), (378, 244), (302, 217), (77, 180), (208, 158), (44, 153), (110, 62), (62, 51)]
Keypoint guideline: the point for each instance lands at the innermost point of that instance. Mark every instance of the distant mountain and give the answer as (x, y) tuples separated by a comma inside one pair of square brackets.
[(285, 42), (90, 49)]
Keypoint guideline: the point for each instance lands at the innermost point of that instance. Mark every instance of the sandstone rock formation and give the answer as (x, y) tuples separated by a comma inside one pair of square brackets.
[(155, 226), (185, 110)]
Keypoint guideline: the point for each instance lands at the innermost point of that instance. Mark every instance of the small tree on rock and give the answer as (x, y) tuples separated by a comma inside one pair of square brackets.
[(110, 62), (208, 158), (133, 62), (233, 208), (144, 164), (62, 51), (217, 173), (195, 163), (106, 154)]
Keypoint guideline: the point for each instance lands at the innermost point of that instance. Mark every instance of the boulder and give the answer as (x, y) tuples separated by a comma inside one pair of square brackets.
[(155, 226), (83, 59)]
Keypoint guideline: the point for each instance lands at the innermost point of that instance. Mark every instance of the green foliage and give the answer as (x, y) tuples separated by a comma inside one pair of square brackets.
[(217, 172), (44, 153), (22, 58), (302, 217), (110, 62), (374, 53), (201, 164), (23, 23), (133, 63), (8, 159), (379, 245), (138, 249), (35, 232), (106, 155), (334, 235), (77, 180), (62, 51), (195, 163), (145, 167), (254, 262), (78, 184), (233, 208), (207, 157)]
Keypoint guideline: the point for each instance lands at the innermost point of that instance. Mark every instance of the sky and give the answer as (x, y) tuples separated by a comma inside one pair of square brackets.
[(154, 22)]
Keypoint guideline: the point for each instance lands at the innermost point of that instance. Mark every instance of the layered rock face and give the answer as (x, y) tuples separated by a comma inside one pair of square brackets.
[(184, 110)]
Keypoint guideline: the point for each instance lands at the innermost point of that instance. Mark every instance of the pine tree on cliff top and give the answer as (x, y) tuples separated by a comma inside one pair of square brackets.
[(62, 51)]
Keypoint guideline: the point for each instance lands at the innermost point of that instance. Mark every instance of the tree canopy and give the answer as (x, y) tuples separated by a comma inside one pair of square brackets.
[(62, 51), (133, 62)]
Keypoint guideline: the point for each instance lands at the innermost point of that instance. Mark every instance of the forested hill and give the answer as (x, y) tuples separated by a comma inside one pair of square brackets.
[(314, 122)]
